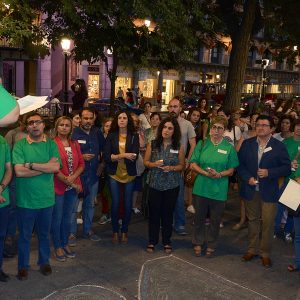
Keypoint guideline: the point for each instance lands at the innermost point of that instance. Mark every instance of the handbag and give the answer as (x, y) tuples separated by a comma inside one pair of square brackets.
[(140, 167), (190, 175)]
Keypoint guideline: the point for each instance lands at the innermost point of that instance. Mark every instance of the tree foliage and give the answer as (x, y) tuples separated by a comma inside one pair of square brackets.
[(99, 25), (19, 28)]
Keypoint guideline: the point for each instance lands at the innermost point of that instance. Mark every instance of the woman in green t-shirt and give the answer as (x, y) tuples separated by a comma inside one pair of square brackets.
[(214, 161)]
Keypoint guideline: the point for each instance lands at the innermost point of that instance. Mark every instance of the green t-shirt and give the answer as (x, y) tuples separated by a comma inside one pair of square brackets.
[(4, 159), (292, 148), (37, 191), (220, 158)]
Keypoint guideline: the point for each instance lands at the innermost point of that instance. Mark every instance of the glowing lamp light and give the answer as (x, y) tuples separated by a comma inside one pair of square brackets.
[(66, 45), (147, 23)]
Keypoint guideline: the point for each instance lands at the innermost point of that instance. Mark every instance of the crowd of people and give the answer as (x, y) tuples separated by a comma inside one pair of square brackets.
[(48, 173)]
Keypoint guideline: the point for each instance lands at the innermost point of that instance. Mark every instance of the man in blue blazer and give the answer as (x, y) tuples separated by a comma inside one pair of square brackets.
[(264, 161)]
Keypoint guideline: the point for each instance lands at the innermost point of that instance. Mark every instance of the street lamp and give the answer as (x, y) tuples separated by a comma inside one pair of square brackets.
[(65, 45), (147, 23)]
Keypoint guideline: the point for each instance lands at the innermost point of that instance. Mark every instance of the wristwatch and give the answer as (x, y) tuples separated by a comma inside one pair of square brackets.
[(3, 186), (30, 166)]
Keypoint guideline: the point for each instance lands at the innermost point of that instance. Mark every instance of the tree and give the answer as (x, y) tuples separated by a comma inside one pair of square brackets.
[(241, 20), (19, 28), (99, 25)]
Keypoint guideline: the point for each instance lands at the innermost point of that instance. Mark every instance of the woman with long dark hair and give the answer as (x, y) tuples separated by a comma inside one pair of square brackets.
[(120, 154), (165, 159)]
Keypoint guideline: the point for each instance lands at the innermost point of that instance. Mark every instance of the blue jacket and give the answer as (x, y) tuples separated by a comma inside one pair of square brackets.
[(112, 147), (275, 158), (90, 143)]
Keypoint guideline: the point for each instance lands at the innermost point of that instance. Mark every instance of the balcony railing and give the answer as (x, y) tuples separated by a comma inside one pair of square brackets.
[(6, 43)]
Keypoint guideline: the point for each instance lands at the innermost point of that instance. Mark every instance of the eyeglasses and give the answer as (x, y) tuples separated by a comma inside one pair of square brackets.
[(218, 128), (262, 125), (173, 106), (35, 122)]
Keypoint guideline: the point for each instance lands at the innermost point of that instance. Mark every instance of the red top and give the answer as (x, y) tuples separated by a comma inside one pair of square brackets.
[(78, 161)]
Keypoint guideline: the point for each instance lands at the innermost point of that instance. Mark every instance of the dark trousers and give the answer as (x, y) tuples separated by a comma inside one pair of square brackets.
[(202, 233), (4, 213), (161, 209)]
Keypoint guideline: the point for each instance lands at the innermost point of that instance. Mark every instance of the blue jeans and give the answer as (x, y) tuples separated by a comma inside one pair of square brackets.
[(88, 206), (61, 218), (297, 241), (179, 214), (12, 220), (27, 218), (288, 228), (4, 211), (73, 226), (115, 194)]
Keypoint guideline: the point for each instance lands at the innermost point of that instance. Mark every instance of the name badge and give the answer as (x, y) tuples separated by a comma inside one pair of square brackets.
[(173, 151), (82, 141), (267, 149), (222, 151)]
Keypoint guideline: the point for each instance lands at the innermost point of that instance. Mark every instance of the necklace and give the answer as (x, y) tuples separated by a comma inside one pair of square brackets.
[(216, 143)]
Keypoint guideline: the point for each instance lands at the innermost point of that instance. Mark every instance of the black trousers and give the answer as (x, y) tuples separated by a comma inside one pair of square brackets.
[(161, 209)]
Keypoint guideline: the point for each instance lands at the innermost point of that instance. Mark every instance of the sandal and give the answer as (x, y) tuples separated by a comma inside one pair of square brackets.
[(150, 248), (209, 253), (292, 268), (168, 249), (197, 250)]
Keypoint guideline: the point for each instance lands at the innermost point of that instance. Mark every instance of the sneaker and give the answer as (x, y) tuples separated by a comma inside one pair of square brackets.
[(79, 221), (92, 237), (59, 257), (69, 253), (191, 209), (288, 238), (136, 211), (72, 240), (104, 220), (181, 231)]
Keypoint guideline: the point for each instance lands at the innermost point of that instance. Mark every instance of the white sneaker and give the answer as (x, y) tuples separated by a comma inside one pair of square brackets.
[(136, 210), (288, 238), (104, 220), (191, 209), (79, 221)]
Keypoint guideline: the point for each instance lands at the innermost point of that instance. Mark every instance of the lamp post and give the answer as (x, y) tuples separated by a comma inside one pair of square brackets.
[(65, 45)]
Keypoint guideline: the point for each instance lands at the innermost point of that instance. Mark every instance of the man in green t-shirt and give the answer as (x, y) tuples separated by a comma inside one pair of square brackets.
[(5, 177), (36, 159)]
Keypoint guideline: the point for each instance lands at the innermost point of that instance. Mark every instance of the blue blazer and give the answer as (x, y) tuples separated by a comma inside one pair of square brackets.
[(276, 160), (112, 147)]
